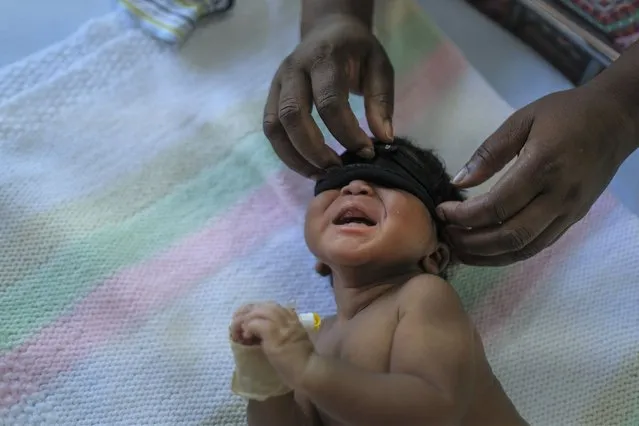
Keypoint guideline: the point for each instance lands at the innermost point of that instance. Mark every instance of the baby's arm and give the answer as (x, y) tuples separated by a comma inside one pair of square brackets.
[(255, 380), (431, 367), (281, 411)]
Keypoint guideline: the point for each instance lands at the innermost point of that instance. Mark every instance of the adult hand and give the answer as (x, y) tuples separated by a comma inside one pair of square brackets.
[(569, 146), (339, 55)]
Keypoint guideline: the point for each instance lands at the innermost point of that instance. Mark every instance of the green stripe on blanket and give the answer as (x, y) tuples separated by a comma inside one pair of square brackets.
[(43, 295)]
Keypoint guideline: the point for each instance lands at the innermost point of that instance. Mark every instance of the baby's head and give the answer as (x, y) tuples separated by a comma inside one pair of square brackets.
[(380, 213)]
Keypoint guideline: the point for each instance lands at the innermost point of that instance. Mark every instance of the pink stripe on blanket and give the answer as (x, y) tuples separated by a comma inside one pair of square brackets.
[(427, 83), (522, 279), (125, 301), (132, 296), (418, 90)]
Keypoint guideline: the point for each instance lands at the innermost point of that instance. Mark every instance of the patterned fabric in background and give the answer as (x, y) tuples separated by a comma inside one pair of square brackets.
[(619, 19)]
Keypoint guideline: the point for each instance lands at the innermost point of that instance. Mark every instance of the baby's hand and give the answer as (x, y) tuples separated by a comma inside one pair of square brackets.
[(238, 333), (284, 340)]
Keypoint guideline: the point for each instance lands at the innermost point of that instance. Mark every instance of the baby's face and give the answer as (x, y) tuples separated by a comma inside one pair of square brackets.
[(363, 224)]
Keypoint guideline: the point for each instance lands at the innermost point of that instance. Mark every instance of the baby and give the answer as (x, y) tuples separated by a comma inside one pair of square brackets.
[(401, 350)]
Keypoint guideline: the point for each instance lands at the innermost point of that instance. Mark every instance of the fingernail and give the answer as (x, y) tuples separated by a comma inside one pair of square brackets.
[(441, 213), (460, 176), (388, 127), (367, 153)]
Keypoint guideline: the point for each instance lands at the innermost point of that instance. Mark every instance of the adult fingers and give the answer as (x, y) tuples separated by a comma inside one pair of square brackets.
[(379, 94), (330, 92), (277, 136), (514, 191), (511, 236), (295, 105), (551, 234), (496, 151)]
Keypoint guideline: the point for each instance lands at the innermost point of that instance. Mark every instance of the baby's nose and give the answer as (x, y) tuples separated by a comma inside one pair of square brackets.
[(357, 187)]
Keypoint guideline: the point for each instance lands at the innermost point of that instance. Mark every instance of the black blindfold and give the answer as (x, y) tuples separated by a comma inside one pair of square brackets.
[(393, 166)]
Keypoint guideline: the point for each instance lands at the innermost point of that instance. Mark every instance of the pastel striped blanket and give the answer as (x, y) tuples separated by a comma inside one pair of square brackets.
[(140, 204)]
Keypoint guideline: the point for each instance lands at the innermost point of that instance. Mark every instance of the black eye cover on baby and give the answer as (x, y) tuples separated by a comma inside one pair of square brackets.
[(392, 167)]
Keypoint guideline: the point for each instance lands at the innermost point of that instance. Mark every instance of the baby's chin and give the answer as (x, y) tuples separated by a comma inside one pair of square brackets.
[(349, 255)]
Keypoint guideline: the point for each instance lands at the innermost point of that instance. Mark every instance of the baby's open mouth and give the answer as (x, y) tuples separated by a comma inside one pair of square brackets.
[(353, 216)]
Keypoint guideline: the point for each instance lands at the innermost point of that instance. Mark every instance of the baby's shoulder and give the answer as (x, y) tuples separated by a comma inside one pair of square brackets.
[(429, 292), (326, 327)]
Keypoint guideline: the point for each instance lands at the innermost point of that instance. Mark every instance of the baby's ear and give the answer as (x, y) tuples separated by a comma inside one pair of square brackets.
[(322, 268), (438, 260)]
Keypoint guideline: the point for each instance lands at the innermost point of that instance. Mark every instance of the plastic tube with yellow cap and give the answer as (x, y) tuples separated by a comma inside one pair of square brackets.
[(310, 321)]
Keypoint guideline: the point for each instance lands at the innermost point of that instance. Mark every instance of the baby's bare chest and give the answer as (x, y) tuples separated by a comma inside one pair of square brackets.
[(365, 341)]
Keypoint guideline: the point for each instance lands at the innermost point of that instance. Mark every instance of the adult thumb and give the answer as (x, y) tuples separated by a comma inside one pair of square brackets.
[(379, 94), (496, 151)]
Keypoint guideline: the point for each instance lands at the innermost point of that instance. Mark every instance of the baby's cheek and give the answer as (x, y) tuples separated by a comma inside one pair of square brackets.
[(317, 208), (316, 218), (413, 234), (313, 236)]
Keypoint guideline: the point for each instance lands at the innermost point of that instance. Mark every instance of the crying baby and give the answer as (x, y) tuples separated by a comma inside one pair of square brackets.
[(400, 349)]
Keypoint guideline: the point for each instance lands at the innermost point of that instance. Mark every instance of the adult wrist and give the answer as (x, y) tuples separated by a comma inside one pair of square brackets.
[(316, 12), (618, 87), (623, 116)]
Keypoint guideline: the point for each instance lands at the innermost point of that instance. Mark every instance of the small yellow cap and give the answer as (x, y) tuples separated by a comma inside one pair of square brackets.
[(310, 320)]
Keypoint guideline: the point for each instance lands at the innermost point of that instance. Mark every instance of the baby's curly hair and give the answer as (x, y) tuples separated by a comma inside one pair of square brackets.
[(437, 181)]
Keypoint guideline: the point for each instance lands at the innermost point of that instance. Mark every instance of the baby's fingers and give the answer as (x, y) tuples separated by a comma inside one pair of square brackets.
[(236, 328), (257, 329), (236, 331), (243, 310), (240, 334)]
